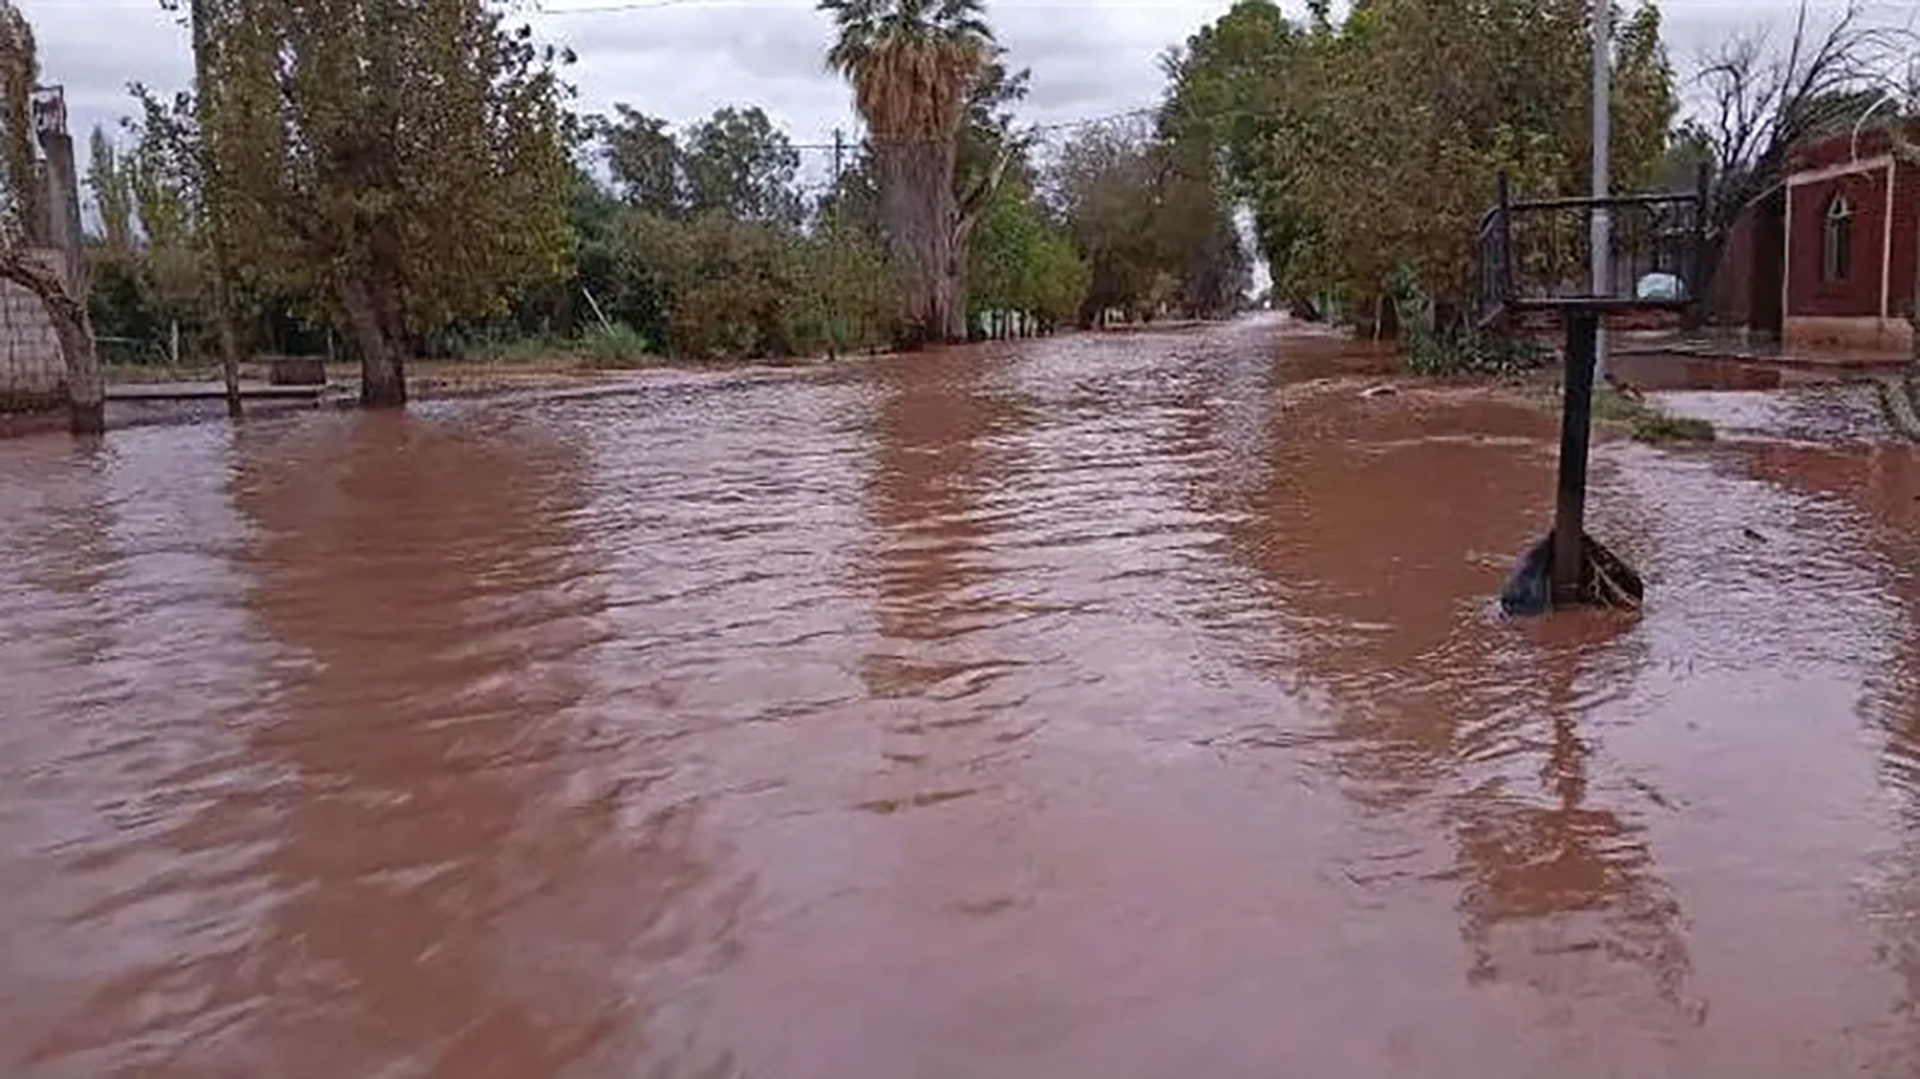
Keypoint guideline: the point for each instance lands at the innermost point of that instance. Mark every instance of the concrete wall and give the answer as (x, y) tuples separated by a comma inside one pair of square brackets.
[(33, 374), (1893, 336)]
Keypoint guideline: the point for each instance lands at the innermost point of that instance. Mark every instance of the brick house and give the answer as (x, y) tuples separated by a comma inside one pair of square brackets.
[(1828, 260), (1853, 237)]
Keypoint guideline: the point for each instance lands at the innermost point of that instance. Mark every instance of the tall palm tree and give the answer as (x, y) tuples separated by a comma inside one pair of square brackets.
[(912, 65)]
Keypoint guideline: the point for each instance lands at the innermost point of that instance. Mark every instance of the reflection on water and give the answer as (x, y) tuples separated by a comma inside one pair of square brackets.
[(1431, 704), (1127, 705)]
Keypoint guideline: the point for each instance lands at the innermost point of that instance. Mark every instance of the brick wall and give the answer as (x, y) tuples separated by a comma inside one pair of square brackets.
[(1857, 295), (1906, 239), (33, 374)]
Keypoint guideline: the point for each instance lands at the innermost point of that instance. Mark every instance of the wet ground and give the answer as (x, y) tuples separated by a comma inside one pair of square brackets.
[(1125, 706)]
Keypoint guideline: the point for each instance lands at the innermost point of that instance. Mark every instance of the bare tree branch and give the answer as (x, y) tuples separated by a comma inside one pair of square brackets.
[(1765, 101)]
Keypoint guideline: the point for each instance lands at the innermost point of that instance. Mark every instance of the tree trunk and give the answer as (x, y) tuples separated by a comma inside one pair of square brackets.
[(949, 311), (383, 376), (229, 344), (924, 231), (86, 389)]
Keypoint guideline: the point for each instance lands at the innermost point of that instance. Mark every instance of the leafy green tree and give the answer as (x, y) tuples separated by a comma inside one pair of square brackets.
[(644, 158), (154, 271), (741, 289), (738, 164), (163, 170), (848, 292), (402, 162), (1156, 230), (111, 181), (1370, 145), (913, 65), (20, 200), (1021, 262)]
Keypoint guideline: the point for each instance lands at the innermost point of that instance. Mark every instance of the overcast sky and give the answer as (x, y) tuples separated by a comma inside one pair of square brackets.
[(682, 59)]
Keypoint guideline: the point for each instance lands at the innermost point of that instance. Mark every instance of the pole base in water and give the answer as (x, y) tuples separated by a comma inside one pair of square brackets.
[(1605, 581)]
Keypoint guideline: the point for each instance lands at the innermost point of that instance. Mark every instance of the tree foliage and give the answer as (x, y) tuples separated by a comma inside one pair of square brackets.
[(738, 164), (111, 181), (1371, 143), (1154, 225), (734, 163), (402, 162), (20, 199), (1022, 262), (643, 157), (706, 249)]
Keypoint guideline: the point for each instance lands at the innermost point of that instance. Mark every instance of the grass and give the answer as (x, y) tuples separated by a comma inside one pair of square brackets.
[(1897, 403), (610, 348), (1648, 422)]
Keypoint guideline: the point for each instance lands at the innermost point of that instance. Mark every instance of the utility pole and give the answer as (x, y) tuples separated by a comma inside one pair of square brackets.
[(1600, 225), (834, 240), (215, 221)]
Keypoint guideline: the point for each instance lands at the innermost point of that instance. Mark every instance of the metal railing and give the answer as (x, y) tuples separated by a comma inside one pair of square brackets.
[(1537, 254)]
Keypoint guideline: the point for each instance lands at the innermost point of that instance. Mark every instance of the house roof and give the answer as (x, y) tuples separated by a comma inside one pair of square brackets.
[(1872, 140)]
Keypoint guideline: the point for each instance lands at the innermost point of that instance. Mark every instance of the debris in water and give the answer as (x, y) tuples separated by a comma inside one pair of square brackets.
[(1379, 391)]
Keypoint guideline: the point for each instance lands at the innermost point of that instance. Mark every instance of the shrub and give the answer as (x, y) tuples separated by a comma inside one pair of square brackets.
[(618, 345)]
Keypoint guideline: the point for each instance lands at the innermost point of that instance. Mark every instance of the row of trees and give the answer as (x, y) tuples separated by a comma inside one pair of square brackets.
[(1367, 146), (404, 177), (448, 195), (409, 173)]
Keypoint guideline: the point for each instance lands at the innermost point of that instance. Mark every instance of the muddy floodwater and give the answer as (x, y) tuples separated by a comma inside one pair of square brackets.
[(1123, 706)]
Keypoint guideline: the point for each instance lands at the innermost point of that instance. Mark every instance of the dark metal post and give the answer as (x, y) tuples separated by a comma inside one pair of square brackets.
[(1505, 238), (1576, 420), (1701, 271)]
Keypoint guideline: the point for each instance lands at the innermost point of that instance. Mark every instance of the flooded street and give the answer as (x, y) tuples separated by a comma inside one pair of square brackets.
[(1122, 706)]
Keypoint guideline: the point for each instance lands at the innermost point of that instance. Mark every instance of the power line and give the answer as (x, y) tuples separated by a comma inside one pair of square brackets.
[(1016, 132), (637, 5)]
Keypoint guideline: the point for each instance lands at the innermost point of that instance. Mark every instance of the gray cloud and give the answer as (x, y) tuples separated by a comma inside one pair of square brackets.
[(682, 61)]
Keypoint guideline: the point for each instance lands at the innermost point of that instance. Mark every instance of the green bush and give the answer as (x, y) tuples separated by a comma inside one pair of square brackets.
[(618, 345), (1446, 343), (1465, 351)]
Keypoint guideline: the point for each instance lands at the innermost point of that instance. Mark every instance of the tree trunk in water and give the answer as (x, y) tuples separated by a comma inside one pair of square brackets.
[(87, 394), (949, 310), (229, 347), (921, 216), (383, 376), (86, 389)]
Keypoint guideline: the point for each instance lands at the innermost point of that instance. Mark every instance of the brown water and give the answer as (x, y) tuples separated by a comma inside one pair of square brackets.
[(1094, 707)]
